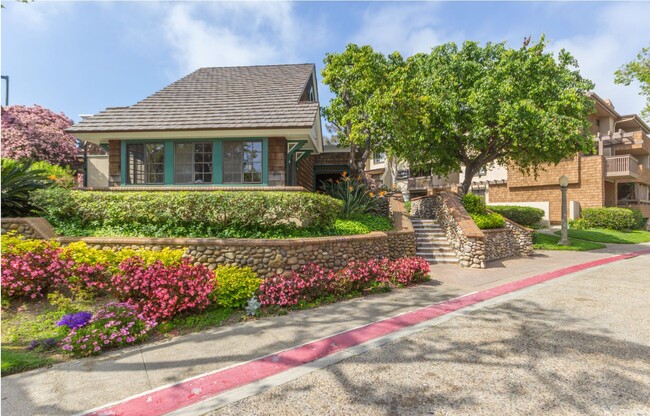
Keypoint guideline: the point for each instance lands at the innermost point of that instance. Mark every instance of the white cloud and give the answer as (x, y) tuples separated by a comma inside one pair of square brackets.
[(407, 28), (619, 34), (37, 16), (230, 34)]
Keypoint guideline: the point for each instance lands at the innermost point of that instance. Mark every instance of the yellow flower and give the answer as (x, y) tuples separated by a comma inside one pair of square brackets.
[(52, 177), (382, 193), (372, 194), (344, 174), (351, 188)]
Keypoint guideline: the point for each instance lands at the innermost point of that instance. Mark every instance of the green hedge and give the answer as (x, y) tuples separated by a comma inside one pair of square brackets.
[(526, 216), (488, 221), (611, 218), (245, 210)]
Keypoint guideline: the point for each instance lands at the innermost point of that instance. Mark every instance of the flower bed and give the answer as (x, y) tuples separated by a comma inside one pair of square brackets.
[(96, 300)]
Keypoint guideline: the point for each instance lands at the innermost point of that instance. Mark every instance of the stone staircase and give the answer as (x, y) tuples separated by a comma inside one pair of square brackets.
[(432, 243)]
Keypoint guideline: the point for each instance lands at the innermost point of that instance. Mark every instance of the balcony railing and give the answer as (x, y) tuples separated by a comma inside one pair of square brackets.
[(622, 166)]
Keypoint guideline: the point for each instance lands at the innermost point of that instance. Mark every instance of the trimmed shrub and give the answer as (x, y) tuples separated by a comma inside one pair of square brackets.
[(579, 224), (115, 325), (362, 224), (638, 218), (488, 221), (234, 286), (611, 218), (160, 292), (526, 216), (218, 210), (474, 204)]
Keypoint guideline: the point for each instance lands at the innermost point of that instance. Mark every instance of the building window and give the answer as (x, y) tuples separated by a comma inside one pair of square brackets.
[(379, 157), (242, 162), (145, 163), (193, 163)]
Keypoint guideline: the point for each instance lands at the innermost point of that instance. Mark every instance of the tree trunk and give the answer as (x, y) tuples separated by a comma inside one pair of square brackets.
[(467, 182)]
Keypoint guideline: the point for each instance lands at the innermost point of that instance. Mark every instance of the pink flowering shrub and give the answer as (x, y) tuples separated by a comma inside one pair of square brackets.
[(32, 268), (408, 270), (37, 133), (159, 292), (307, 284), (360, 275), (33, 274), (115, 325), (313, 282)]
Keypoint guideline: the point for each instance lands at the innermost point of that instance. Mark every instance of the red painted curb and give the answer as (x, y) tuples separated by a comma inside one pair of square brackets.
[(183, 394)]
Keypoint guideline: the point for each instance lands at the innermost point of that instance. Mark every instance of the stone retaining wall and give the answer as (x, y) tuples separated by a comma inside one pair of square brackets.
[(474, 247), (499, 244), (423, 207), (465, 237), (266, 256), (37, 228)]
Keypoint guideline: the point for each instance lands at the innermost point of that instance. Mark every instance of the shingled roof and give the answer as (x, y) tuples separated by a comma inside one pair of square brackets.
[(217, 98)]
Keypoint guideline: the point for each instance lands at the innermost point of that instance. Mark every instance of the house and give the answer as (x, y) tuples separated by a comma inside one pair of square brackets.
[(231, 127), (616, 174)]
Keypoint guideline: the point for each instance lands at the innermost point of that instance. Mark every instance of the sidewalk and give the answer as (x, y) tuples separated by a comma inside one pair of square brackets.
[(80, 385)]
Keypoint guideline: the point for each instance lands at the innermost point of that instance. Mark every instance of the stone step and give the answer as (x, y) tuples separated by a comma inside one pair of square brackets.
[(442, 248), (435, 254), (432, 260), (429, 238), (416, 228)]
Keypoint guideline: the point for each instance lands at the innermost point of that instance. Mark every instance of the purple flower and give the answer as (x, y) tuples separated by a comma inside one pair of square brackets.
[(75, 320)]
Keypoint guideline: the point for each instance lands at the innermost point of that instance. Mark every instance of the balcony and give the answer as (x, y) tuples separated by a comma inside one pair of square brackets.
[(622, 167)]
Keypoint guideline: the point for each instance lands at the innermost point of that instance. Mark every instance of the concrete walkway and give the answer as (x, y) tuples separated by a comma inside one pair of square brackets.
[(80, 385)]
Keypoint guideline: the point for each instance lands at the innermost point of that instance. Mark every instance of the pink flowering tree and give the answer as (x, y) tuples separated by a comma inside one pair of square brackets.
[(36, 133)]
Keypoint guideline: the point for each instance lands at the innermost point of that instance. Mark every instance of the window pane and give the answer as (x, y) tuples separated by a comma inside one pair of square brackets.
[(183, 163), (145, 163), (232, 162)]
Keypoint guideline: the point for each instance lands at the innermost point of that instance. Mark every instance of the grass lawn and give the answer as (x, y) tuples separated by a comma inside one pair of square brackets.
[(611, 236), (15, 360), (549, 242)]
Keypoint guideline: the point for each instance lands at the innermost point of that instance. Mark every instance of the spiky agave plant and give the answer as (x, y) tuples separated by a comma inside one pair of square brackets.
[(17, 182)]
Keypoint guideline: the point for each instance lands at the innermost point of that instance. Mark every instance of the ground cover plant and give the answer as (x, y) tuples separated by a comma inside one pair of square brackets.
[(611, 236), (77, 301), (542, 241)]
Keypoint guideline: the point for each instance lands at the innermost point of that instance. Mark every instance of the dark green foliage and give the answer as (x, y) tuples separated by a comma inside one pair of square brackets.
[(187, 212), (526, 216), (18, 182), (610, 218), (638, 218), (356, 196), (474, 204), (488, 221)]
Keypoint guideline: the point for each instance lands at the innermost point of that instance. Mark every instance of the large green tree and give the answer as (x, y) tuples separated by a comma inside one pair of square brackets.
[(476, 105), (639, 70), (355, 77)]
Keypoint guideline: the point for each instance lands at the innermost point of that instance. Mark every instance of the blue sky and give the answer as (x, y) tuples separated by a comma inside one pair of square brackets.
[(80, 57)]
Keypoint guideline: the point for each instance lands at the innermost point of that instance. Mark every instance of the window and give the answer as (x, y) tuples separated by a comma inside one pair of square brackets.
[(145, 163), (242, 162), (379, 157), (193, 163)]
